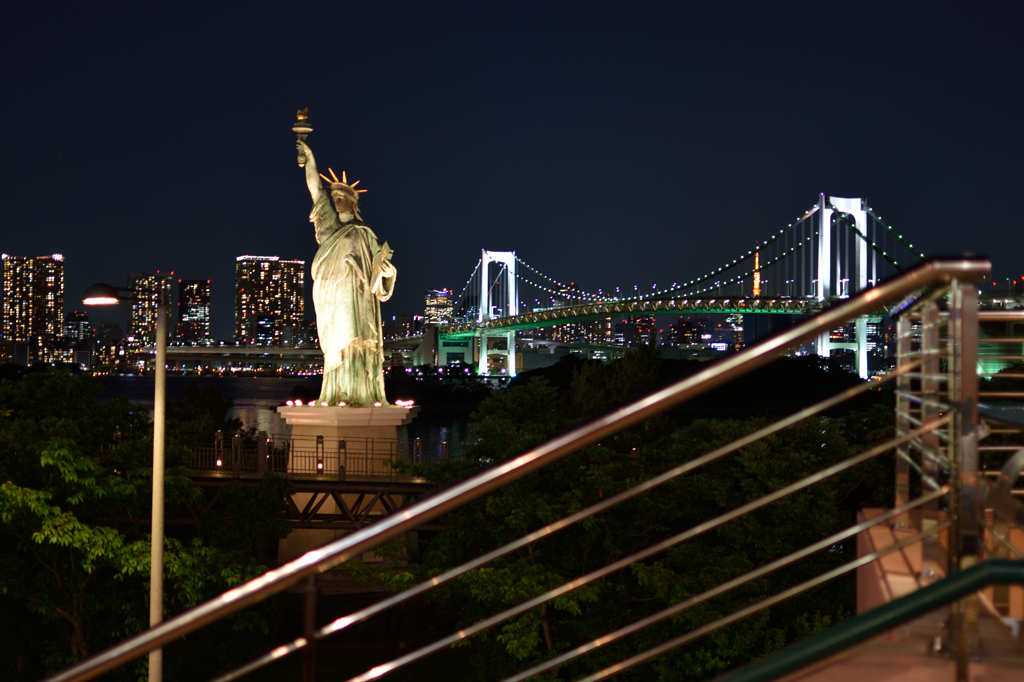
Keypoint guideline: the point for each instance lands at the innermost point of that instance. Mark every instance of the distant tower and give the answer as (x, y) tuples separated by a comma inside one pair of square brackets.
[(193, 311), (143, 310), (757, 274), (33, 309), (269, 299)]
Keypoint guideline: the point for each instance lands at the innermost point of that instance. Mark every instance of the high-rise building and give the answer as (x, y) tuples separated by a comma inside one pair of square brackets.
[(269, 300), (33, 310), (636, 330), (193, 311), (76, 327), (438, 309), (145, 303)]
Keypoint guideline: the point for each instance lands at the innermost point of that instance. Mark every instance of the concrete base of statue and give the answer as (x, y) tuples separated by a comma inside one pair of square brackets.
[(343, 444), (386, 421)]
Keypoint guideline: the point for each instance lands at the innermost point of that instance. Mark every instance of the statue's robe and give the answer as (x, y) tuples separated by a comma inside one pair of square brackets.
[(347, 311)]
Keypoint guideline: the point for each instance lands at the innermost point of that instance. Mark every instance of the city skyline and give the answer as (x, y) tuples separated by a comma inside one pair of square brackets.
[(557, 131)]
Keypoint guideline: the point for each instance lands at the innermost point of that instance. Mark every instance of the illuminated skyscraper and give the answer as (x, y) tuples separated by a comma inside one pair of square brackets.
[(636, 330), (193, 310), (34, 302), (76, 327), (269, 299), (438, 305), (142, 311)]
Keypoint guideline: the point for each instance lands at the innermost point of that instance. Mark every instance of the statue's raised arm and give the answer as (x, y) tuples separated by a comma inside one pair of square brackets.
[(312, 175)]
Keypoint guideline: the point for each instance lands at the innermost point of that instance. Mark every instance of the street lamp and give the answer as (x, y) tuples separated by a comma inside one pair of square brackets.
[(104, 294)]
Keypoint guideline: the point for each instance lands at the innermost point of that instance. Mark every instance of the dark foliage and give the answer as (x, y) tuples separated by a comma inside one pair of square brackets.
[(74, 529), (510, 422)]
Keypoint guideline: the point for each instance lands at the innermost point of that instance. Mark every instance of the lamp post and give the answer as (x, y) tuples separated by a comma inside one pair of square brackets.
[(104, 294)]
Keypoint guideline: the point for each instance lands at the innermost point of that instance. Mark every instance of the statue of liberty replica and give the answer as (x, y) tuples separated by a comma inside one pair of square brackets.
[(352, 274)]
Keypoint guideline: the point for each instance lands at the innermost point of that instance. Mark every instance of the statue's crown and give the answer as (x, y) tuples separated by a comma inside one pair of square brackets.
[(343, 184)]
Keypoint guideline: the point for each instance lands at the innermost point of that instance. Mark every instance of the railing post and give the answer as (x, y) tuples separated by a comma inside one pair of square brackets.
[(342, 460), (261, 453), (309, 630), (218, 449), (930, 441), (236, 455), (963, 446), (903, 348)]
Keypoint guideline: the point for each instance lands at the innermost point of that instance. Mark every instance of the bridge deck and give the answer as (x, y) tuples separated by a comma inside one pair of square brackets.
[(596, 311)]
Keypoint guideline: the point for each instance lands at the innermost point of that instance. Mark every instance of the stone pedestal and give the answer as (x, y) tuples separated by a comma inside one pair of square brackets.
[(387, 421), (339, 444), (346, 443)]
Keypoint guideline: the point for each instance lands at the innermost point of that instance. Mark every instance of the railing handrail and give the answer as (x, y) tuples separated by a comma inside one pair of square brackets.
[(353, 545), (879, 620)]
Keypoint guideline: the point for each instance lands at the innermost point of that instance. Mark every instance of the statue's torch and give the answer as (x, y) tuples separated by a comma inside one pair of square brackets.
[(301, 127)]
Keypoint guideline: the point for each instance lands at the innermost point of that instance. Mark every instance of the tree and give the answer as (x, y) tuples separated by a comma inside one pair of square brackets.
[(513, 421), (74, 523)]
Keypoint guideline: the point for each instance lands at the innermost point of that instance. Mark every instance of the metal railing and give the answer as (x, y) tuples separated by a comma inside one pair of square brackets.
[(953, 424), (860, 628), (348, 459)]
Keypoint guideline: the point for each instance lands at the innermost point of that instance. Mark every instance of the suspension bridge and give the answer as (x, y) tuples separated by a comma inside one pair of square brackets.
[(838, 248)]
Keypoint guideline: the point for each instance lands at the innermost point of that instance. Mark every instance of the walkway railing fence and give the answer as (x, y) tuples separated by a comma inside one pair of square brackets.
[(249, 455)]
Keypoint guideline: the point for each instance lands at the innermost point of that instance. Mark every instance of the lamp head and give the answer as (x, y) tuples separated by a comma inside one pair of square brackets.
[(101, 294)]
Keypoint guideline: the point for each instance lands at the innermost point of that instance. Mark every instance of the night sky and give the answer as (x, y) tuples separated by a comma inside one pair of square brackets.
[(612, 144)]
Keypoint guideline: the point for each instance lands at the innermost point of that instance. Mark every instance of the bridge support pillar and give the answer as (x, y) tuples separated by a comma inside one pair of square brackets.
[(509, 352), (859, 346), (861, 332), (454, 349), (482, 368), (822, 346)]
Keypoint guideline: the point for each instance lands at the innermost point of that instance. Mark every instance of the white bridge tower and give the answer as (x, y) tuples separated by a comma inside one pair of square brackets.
[(832, 281), (499, 297)]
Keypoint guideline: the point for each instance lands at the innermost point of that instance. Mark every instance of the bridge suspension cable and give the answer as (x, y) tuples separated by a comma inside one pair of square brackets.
[(577, 293), (462, 301), (899, 237), (875, 246)]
